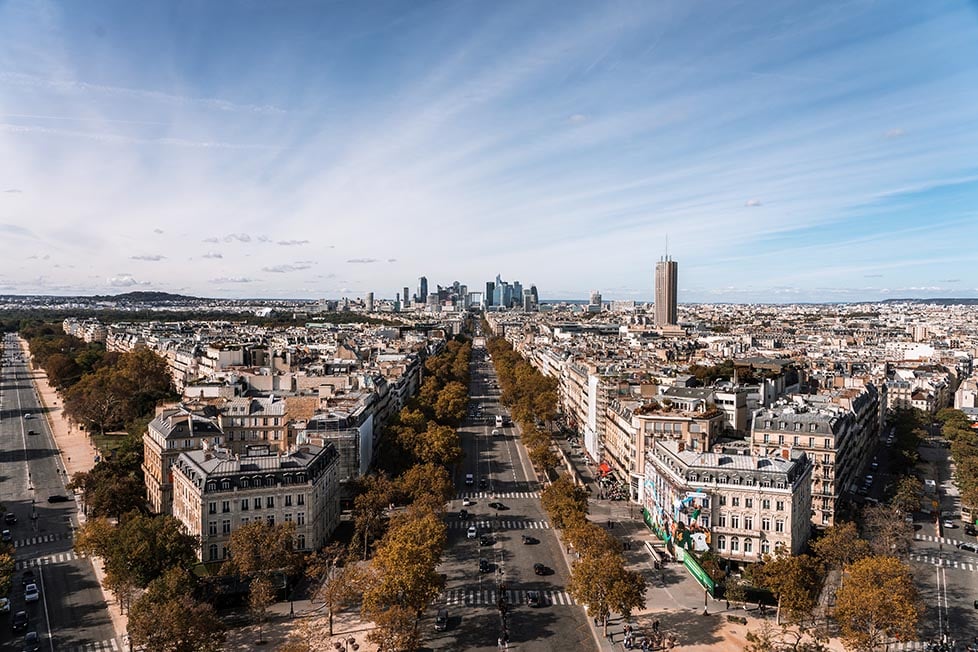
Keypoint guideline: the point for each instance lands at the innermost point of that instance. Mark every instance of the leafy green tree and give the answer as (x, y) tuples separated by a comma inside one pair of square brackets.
[(879, 602), (167, 618)]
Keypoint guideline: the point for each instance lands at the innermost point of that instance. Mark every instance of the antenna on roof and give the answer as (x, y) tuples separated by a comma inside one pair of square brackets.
[(667, 246)]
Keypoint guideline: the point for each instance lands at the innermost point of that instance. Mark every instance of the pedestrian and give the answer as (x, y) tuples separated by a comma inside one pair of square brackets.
[(655, 625)]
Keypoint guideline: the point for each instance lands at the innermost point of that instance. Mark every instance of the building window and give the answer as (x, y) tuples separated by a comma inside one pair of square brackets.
[(767, 438), (748, 546), (300, 518), (765, 503), (812, 428), (288, 517), (780, 439), (288, 500), (723, 500), (811, 442), (735, 522), (721, 542), (779, 506), (212, 508), (244, 520), (766, 524), (827, 443), (300, 499), (226, 527), (735, 501), (779, 525), (212, 552), (301, 541), (225, 485), (257, 503), (225, 553), (270, 502), (244, 504), (212, 528), (765, 547), (271, 519), (225, 506), (722, 520), (748, 522), (244, 483), (734, 544), (749, 503)]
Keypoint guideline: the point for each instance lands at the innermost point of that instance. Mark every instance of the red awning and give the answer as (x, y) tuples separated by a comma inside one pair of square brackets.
[(604, 468)]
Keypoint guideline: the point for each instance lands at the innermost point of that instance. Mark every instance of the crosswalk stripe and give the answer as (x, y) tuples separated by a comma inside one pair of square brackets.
[(489, 597)]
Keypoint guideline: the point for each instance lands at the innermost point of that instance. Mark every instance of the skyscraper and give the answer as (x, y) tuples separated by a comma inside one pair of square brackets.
[(422, 290), (490, 290), (666, 279), (406, 299)]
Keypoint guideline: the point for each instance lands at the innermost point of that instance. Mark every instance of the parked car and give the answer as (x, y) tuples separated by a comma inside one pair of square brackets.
[(472, 532), (27, 578), (31, 593), (970, 547), (486, 540), (441, 620), (528, 540), (970, 529), (58, 498), (4, 605), (32, 642), (20, 621), (540, 569), (534, 598), (949, 524), (9, 518), (5, 536), (484, 566), (467, 501)]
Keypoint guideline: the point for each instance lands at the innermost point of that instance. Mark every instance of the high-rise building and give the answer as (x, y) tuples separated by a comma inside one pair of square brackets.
[(490, 290), (666, 284), (406, 297), (370, 301), (536, 296), (595, 298), (422, 290)]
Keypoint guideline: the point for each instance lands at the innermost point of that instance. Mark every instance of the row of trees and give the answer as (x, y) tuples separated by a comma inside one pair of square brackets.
[(531, 398), (956, 428), (598, 577)]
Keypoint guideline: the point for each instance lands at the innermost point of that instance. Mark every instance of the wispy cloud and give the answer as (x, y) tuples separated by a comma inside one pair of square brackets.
[(158, 231), (362, 261), (14, 229), (231, 279), (280, 269), (292, 243), (752, 202), (13, 191), (392, 260), (154, 258), (211, 240), (240, 237), (894, 133), (213, 254)]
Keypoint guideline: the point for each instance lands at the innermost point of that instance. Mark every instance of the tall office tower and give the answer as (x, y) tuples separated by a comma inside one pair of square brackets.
[(370, 301), (528, 301), (666, 279), (595, 298), (406, 298), (490, 289), (422, 289), (518, 294), (536, 296)]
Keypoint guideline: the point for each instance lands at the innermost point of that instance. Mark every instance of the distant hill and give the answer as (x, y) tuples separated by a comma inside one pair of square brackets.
[(148, 297), (972, 301)]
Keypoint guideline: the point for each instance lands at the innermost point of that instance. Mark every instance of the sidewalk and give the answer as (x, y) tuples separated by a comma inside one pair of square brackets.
[(76, 454), (310, 625)]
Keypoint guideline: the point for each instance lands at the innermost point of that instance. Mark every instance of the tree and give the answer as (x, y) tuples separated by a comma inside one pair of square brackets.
[(796, 582), (439, 445), (7, 565), (451, 404), (840, 546), (564, 502), (167, 618), (543, 457), (906, 499), (261, 595), (396, 629), (588, 538), (768, 637), (259, 549), (879, 602), (887, 531), (370, 507), (601, 582), (338, 584), (735, 590), (426, 482)]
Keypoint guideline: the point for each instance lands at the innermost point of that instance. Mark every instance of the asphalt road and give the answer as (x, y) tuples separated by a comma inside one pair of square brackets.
[(71, 613), (502, 473)]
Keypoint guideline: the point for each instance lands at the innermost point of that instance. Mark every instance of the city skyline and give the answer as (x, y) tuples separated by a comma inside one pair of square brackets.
[(326, 151)]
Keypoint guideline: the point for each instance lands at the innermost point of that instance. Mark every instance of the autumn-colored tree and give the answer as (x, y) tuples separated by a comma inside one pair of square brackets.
[(601, 582), (261, 595), (564, 501), (426, 482), (795, 580), (878, 603), (7, 565), (735, 590), (768, 637), (589, 538), (167, 618), (906, 499), (451, 403), (376, 492), (338, 582), (396, 629), (887, 531), (258, 548), (840, 545)]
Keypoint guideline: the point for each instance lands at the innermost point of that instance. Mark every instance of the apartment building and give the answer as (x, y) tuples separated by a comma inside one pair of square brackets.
[(217, 491), (739, 505), (172, 432)]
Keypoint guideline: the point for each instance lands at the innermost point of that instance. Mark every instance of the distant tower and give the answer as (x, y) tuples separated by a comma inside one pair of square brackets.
[(536, 296), (666, 280), (406, 297), (422, 289), (595, 298), (370, 301), (490, 290)]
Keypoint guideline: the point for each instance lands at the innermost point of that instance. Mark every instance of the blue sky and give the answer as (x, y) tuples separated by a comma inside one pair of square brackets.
[(790, 151)]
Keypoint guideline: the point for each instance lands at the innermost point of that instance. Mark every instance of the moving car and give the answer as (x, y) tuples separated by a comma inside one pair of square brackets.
[(467, 501), (28, 415), (495, 432), (486, 540), (441, 620), (28, 577), (19, 623), (529, 541), (5, 536), (462, 514), (970, 529), (4, 605), (31, 432), (469, 478), (970, 547), (58, 498), (472, 532), (31, 594), (498, 506), (540, 569), (32, 642), (482, 482), (948, 523), (484, 566), (534, 598)]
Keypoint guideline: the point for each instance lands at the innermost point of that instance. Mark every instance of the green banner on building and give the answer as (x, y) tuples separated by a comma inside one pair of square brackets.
[(694, 568)]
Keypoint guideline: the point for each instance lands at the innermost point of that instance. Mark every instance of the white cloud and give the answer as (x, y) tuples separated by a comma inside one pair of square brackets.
[(231, 279), (158, 231), (211, 240), (13, 191), (240, 237), (894, 133), (752, 202), (577, 118), (279, 269), (124, 281), (148, 258), (213, 254), (292, 243), (362, 261)]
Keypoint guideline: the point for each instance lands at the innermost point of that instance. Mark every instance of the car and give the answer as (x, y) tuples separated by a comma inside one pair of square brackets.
[(28, 415), (5, 536), (4, 605), (868, 480), (9, 518), (32, 643), (874, 465), (472, 532), (31, 432), (31, 594), (495, 432), (441, 620), (486, 540), (28, 577), (484, 566), (482, 482), (908, 518), (469, 478), (498, 506), (534, 598), (970, 529), (58, 498), (540, 569), (970, 547), (20, 621), (528, 540), (462, 514), (948, 523), (466, 502)]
